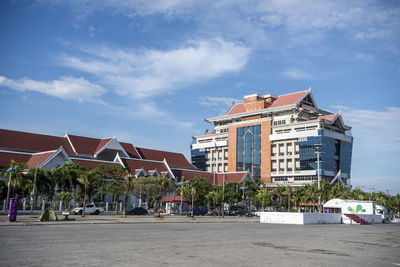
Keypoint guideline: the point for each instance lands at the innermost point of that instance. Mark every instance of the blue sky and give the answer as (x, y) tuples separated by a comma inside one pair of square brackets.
[(149, 72)]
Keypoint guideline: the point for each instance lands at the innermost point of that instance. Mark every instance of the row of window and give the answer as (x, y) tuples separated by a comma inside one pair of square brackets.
[(296, 178), (280, 122)]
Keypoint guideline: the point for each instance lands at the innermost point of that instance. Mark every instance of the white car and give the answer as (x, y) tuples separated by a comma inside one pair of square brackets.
[(89, 209)]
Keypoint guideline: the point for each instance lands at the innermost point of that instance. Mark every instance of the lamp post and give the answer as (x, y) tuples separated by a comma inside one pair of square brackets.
[(180, 207), (318, 150)]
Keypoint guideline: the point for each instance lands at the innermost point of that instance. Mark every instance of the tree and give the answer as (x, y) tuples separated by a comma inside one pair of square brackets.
[(66, 176), (15, 175), (263, 197), (164, 185), (232, 194), (202, 187), (147, 189), (86, 179), (214, 197), (127, 188)]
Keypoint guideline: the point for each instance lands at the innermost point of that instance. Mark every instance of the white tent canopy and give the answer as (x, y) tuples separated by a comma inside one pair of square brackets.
[(334, 203)]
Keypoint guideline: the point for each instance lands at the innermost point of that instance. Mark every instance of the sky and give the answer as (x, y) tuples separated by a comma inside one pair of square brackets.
[(150, 72)]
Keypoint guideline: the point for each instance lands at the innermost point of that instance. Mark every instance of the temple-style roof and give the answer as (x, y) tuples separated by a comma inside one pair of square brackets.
[(289, 99), (173, 159), (32, 142), (87, 145)]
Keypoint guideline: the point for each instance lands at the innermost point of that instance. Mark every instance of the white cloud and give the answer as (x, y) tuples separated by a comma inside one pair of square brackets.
[(217, 101), (252, 20), (297, 74), (150, 72), (385, 124), (77, 89)]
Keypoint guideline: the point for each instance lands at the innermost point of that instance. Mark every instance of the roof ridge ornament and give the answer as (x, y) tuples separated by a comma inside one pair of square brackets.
[(309, 89)]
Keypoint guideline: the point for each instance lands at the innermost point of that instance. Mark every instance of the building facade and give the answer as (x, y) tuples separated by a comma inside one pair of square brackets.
[(275, 139)]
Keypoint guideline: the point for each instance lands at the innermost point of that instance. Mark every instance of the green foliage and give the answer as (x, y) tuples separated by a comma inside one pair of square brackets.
[(214, 197), (48, 215), (232, 193), (202, 187)]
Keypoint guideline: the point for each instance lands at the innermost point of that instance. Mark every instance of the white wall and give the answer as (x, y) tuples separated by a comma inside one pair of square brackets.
[(300, 218)]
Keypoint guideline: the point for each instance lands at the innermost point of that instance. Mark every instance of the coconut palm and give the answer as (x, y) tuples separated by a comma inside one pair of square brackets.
[(86, 179), (127, 188)]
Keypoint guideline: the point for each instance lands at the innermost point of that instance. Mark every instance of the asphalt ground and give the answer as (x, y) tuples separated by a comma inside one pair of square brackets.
[(203, 241)]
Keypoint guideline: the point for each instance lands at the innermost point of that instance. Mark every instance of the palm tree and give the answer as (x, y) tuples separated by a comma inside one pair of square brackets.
[(15, 177), (86, 179), (127, 187)]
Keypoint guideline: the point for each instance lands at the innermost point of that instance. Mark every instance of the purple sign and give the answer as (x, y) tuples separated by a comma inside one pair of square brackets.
[(13, 209)]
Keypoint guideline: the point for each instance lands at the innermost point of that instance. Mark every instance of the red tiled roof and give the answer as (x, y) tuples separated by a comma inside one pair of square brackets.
[(235, 109), (102, 143), (174, 199), (38, 159), (327, 117), (32, 142), (190, 174), (86, 145), (6, 157), (230, 177), (233, 177), (288, 99), (130, 149), (173, 159), (136, 164), (91, 164)]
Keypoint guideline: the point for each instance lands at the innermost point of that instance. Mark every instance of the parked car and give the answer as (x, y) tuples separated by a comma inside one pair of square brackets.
[(234, 210), (89, 209), (137, 211), (197, 211), (246, 213)]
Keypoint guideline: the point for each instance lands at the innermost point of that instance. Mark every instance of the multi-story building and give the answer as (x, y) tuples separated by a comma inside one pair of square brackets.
[(275, 138)]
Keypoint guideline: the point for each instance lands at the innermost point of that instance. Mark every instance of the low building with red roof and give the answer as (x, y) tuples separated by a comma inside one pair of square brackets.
[(49, 152)]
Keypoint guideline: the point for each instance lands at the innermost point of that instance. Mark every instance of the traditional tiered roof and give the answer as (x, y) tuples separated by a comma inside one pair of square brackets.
[(44, 151)]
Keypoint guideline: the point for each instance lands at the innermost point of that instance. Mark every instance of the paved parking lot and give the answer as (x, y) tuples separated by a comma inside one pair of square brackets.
[(234, 243)]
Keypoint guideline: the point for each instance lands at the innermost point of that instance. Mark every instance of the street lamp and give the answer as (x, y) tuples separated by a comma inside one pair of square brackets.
[(318, 150), (180, 207)]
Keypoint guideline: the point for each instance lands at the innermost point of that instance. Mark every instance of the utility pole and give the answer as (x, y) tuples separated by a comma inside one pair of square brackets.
[(223, 195), (33, 191), (180, 207), (318, 150)]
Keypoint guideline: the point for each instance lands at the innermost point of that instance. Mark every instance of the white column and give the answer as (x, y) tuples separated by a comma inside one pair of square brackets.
[(285, 157), (106, 206), (24, 204), (43, 203), (293, 157), (60, 208), (4, 205)]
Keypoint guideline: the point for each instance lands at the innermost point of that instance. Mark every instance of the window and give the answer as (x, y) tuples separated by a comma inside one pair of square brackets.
[(280, 122), (248, 149)]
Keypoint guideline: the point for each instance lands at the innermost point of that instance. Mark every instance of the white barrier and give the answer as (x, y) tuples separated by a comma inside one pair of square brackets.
[(300, 218)]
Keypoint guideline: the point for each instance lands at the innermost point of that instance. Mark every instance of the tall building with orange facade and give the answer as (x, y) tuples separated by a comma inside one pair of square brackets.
[(274, 137)]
